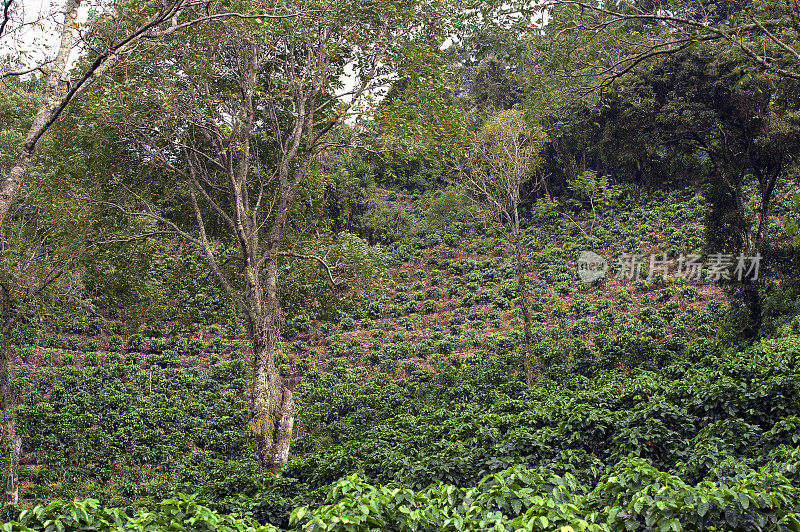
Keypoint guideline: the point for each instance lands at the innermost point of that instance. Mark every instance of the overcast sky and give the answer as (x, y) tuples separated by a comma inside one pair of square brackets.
[(39, 36)]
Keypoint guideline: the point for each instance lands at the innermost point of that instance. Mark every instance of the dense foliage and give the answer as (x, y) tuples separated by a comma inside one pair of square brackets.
[(656, 399), (700, 443), (427, 425)]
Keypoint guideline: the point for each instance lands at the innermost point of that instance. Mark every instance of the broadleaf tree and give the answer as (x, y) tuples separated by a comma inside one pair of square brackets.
[(226, 129), (113, 33)]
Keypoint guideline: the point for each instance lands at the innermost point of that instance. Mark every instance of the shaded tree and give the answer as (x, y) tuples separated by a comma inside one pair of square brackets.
[(229, 140)]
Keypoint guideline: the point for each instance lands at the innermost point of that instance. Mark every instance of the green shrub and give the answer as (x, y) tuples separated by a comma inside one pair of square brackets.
[(95, 326), (158, 345), (563, 288), (90, 359), (196, 345), (665, 294), (445, 347), (624, 299), (688, 292), (26, 354), (580, 306), (469, 300), (179, 344), (115, 343), (559, 308), (136, 342), (180, 513), (433, 293), (303, 366), (347, 323)]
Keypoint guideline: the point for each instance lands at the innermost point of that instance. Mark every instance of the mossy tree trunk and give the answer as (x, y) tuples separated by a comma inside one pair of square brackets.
[(272, 405), (11, 441)]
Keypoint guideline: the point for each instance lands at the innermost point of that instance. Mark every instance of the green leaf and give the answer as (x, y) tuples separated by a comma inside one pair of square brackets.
[(637, 506)]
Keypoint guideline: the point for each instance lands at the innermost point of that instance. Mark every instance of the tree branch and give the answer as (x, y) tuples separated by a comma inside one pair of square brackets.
[(17, 73), (706, 32), (333, 282), (6, 15)]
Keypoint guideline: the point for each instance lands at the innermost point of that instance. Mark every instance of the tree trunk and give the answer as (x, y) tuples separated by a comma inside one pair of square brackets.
[(11, 442), (750, 294), (273, 406), (750, 290), (11, 184), (13, 445), (50, 104), (767, 186), (524, 302)]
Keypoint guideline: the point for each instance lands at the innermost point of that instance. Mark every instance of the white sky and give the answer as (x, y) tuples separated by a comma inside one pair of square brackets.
[(38, 37)]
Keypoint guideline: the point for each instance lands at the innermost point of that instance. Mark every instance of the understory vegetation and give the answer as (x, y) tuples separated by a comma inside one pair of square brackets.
[(645, 415), (394, 266)]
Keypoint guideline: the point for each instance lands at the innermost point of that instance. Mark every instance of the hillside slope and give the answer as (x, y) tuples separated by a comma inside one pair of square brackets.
[(421, 385)]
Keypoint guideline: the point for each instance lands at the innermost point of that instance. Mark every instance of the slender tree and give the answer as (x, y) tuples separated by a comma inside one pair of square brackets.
[(498, 167)]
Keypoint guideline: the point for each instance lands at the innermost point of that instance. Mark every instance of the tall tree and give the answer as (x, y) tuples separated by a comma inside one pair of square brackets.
[(500, 163), (114, 33), (237, 121)]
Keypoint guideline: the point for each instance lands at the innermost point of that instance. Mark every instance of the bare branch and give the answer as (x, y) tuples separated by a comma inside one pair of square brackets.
[(783, 45), (230, 15), (18, 73), (119, 238), (332, 281)]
